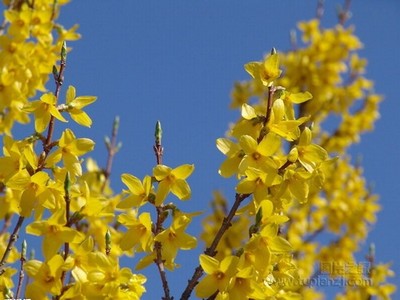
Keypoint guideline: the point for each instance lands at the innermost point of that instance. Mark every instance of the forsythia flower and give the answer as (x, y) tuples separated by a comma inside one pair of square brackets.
[(219, 274), (172, 180), (46, 277), (139, 232), (43, 110), (33, 189), (139, 192), (175, 238), (54, 233), (69, 149), (267, 71), (75, 105)]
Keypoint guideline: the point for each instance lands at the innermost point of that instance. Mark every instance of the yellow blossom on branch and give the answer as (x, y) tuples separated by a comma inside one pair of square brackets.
[(173, 180), (54, 233), (75, 105), (43, 110)]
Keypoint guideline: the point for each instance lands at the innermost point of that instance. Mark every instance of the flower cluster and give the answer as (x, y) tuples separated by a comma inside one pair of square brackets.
[(291, 185)]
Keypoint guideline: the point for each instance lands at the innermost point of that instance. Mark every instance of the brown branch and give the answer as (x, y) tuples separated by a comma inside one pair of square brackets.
[(112, 149), (211, 251), (320, 9), (13, 238), (344, 13), (67, 218), (58, 79), (159, 151), (271, 92), (21, 270)]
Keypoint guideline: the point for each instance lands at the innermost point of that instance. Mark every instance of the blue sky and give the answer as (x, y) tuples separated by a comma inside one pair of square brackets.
[(176, 61)]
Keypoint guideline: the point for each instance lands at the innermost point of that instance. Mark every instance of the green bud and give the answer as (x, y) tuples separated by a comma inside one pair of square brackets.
[(108, 242), (158, 133), (116, 124), (55, 72), (64, 52), (67, 184), (108, 239), (107, 142)]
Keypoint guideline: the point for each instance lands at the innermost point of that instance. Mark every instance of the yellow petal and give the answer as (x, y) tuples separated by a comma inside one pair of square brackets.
[(19, 181), (248, 144), (70, 94), (55, 113), (42, 119), (206, 287), (181, 189), (225, 145), (300, 97), (162, 192), (279, 244), (229, 167), (253, 69), (161, 171), (246, 186), (48, 98), (81, 146), (133, 183), (183, 171), (80, 117), (82, 101), (248, 112), (269, 144), (28, 202), (208, 263)]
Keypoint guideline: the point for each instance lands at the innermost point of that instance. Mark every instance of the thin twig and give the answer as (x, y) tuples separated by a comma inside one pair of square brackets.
[(46, 149), (58, 79), (112, 149), (320, 9), (13, 238), (344, 13), (211, 251), (21, 270), (159, 151), (271, 92), (67, 217)]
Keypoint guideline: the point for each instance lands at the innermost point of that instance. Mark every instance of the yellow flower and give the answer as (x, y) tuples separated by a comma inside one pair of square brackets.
[(43, 110), (256, 154), (310, 155), (138, 192), (54, 233), (46, 277), (219, 274), (175, 238), (33, 189), (258, 181), (70, 148), (172, 180), (75, 105), (266, 71), (139, 232), (112, 282), (234, 156)]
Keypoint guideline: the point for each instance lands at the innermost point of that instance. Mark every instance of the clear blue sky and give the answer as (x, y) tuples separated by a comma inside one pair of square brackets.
[(176, 61)]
